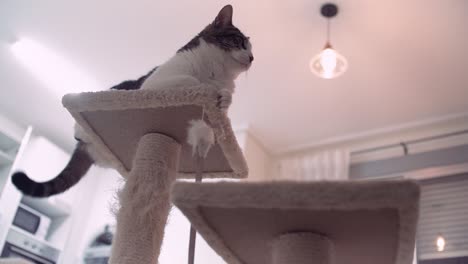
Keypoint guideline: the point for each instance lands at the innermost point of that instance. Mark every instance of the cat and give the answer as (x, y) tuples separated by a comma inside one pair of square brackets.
[(215, 57)]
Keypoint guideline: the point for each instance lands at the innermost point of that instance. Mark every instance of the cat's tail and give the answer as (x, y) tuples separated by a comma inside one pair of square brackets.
[(76, 168)]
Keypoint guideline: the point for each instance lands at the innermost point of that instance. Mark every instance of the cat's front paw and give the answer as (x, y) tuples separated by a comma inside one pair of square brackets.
[(224, 100)]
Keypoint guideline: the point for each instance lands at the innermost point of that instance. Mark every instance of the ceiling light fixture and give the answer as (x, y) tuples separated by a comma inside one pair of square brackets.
[(328, 64), (55, 71)]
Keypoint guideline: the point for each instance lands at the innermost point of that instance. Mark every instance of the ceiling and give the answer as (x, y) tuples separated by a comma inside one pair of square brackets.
[(408, 61)]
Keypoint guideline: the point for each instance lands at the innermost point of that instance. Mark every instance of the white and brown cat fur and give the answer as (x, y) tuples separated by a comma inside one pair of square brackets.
[(214, 58)]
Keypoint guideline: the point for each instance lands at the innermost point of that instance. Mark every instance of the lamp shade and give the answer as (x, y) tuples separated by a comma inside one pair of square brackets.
[(328, 64)]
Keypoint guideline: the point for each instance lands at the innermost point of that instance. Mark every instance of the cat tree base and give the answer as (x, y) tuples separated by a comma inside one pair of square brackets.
[(302, 248), (154, 170)]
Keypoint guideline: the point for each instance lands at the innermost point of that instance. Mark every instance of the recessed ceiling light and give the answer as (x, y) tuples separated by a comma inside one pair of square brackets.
[(52, 69)]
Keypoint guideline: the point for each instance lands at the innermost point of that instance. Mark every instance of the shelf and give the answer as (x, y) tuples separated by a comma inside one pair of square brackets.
[(51, 207), (5, 159)]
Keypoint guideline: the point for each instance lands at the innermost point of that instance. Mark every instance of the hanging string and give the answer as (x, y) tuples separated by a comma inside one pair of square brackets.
[(198, 178), (328, 31), (193, 233)]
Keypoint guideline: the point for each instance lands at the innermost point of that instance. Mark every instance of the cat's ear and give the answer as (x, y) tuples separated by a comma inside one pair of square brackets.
[(224, 18)]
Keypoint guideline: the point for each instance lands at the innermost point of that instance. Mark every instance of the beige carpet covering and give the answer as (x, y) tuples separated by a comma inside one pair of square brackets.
[(116, 120), (367, 222)]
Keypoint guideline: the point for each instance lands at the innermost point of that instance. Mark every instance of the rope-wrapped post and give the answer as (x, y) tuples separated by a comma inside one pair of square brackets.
[(144, 201), (302, 248)]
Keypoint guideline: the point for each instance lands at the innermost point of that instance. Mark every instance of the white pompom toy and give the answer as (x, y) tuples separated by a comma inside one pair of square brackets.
[(201, 137)]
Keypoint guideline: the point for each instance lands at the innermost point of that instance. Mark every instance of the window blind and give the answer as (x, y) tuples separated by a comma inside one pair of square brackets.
[(444, 213)]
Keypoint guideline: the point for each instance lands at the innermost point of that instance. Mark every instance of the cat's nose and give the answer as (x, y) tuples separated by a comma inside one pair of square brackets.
[(251, 58)]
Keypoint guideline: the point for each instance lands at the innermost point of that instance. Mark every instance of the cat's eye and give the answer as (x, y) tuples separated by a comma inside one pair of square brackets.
[(245, 42), (238, 41)]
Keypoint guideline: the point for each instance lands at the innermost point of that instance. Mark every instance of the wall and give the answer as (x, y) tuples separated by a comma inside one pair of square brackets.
[(356, 144), (104, 202), (259, 159), (176, 240), (447, 157), (386, 137), (92, 212)]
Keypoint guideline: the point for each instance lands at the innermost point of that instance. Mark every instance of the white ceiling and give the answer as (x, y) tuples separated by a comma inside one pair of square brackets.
[(408, 60)]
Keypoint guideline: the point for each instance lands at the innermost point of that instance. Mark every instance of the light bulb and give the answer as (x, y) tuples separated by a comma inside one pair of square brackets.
[(328, 63), (440, 242)]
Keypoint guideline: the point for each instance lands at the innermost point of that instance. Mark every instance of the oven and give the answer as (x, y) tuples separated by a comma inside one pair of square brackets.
[(23, 246)]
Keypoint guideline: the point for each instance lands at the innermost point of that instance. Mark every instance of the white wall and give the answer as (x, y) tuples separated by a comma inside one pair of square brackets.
[(92, 211), (103, 203), (258, 158), (176, 240), (386, 137), (75, 244)]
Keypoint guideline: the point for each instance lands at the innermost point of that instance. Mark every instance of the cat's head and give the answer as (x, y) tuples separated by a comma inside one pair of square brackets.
[(227, 37)]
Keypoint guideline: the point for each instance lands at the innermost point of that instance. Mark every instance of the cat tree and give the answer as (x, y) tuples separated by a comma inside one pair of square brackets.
[(304, 222), (143, 135)]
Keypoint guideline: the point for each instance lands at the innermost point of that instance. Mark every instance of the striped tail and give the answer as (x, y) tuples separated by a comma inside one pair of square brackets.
[(76, 168)]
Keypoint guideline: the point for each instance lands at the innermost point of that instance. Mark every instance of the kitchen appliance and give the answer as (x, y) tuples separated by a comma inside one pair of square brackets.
[(20, 244), (32, 221), (100, 250), (97, 255)]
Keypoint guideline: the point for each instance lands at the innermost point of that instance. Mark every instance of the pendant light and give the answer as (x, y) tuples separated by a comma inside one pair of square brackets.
[(328, 64)]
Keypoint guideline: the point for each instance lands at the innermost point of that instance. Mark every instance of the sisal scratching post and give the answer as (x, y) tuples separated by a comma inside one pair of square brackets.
[(155, 168), (143, 135)]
